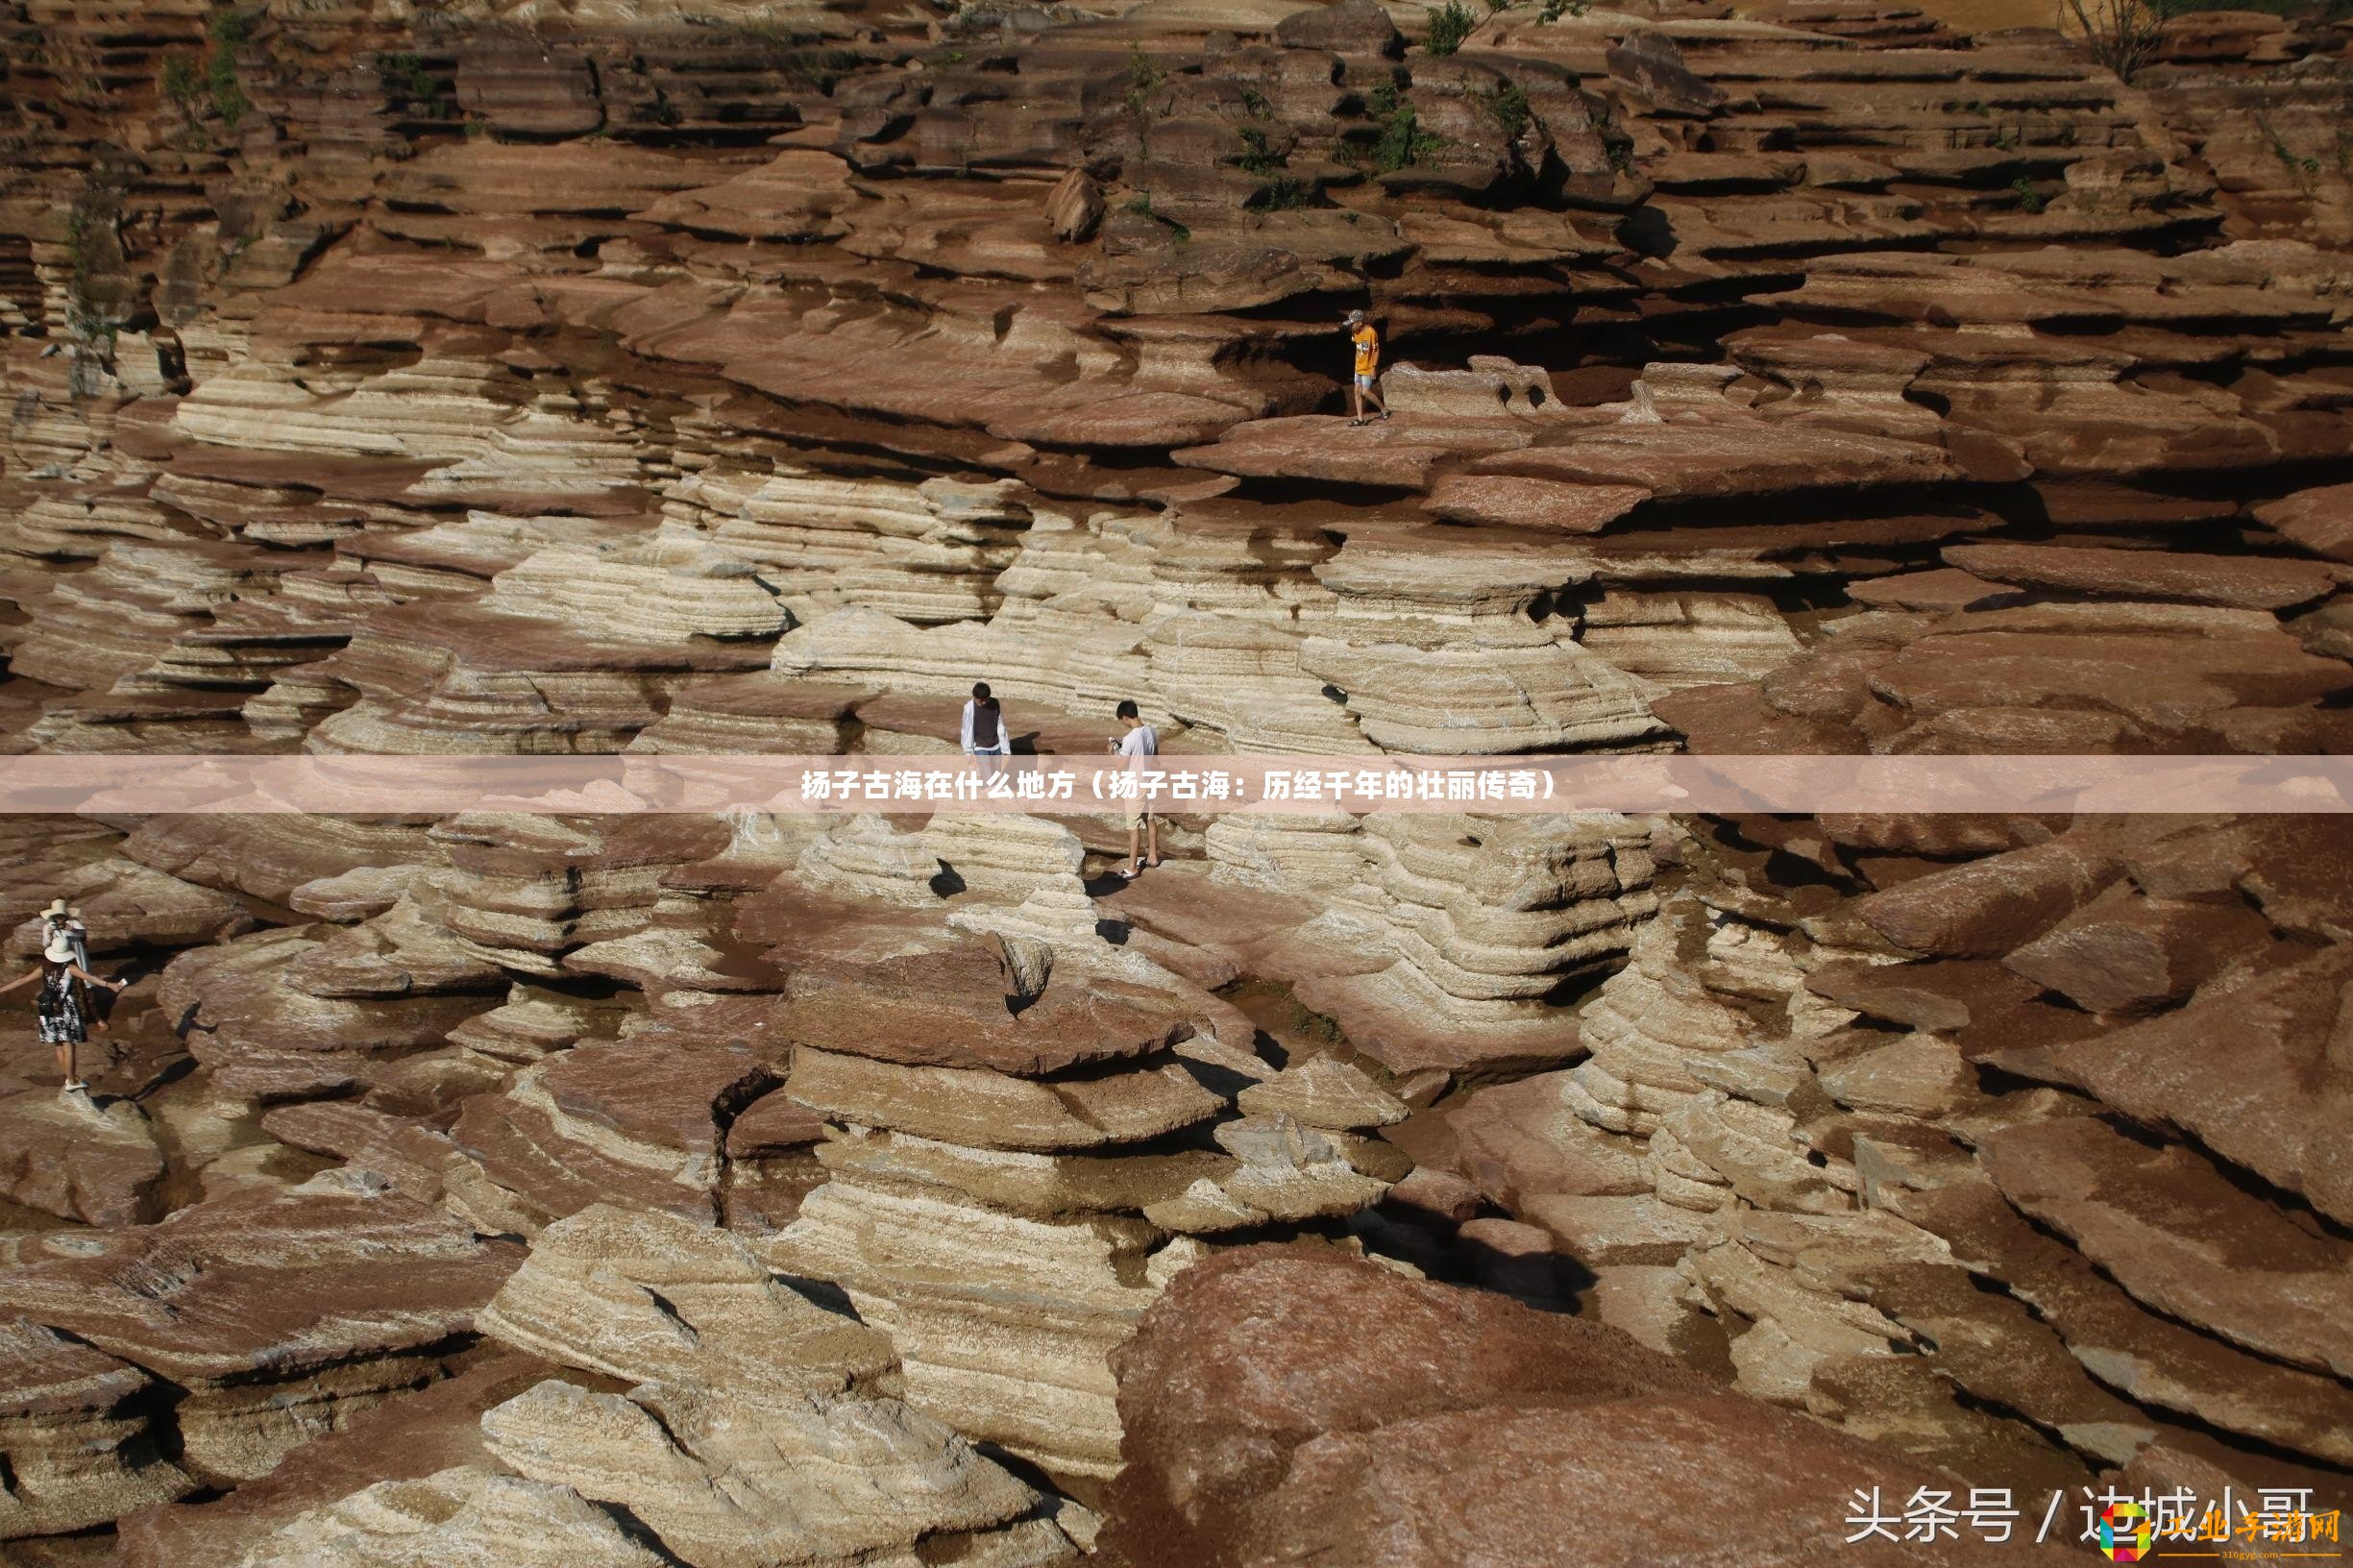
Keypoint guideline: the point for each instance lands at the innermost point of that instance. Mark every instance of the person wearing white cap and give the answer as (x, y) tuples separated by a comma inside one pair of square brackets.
[(60, 1004)]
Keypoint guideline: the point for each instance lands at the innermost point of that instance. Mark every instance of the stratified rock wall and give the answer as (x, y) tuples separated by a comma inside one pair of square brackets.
[(506, 378)]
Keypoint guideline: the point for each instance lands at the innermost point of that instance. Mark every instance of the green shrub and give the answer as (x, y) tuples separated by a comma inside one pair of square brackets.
[(229, 100), (1143, 77), (180, 81), (408, 77), (2028, 198), (1508, 107), (1284, 194), (1256, 157), (1141, 203), (1403, 142), (1449, 25), (821, 69)]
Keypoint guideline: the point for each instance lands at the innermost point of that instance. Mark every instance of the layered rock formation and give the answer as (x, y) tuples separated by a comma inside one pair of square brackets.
[(1027, 1135), (513, 379), (1995, 1158)]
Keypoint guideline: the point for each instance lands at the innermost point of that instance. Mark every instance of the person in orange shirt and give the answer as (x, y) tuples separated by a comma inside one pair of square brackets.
[(1368, 340)]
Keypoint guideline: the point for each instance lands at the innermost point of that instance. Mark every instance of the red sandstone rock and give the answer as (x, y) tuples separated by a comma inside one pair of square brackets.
[(2321, 521), (2182, 1238), (968, 1006), (1988, 907), (2127, 954), (2243, 582), (415, 1436), (2250, 1072), (1470, 1429)]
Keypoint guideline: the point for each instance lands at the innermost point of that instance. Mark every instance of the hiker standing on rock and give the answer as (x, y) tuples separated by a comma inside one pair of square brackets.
[(62, 1004), (1368, 340), (1141, 741), (983, 730)]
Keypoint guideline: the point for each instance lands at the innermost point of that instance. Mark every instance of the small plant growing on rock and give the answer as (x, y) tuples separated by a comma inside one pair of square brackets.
[(1255, 103), (821, 69), (1284, 194), (2028, 198), (179, 82), (1143, 77), (1141, 203), (1403, 141), (1508, 107), (408, 76), (1554, 9), (1258, 156), (2300, 169), (229, 100), (2121, 35), (1449, 25)]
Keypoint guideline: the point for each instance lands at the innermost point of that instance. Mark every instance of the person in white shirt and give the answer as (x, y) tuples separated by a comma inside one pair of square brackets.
[(983, 730), (1141, 741)]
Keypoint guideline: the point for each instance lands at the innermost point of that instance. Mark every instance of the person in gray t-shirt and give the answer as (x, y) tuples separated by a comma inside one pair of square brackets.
[(1141, 741)]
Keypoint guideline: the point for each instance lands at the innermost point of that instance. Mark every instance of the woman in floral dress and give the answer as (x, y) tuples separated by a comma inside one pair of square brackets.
[(61, 1004)]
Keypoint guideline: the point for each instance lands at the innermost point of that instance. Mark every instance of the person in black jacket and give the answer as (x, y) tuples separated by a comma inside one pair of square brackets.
[(983, 730)]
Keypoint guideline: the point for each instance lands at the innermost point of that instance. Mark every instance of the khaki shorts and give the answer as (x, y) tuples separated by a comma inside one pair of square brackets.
[(1135, 818)]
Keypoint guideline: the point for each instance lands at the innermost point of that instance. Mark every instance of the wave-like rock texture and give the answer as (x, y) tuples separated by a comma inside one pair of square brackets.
[(508, 378)]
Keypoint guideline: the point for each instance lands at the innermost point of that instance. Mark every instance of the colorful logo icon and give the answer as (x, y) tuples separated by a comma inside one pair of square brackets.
[(2124, 1532)]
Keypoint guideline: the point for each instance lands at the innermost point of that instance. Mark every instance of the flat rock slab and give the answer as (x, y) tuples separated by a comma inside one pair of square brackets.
[(1946, 588), (1986, 907), (412, 1436), (1519, 1140), (1602, 1232), (2184, 1238), (263, 1283), (653, 1095), (406, 1153), (2321, 520), (2247, 583), (2148, 1359), (2249, 1072), (961, 1006), (98, 1164), (1729, 458), (1514, 501), (990, 1111), (1938, 996), (1383, 1016), (1396, 454), (2125, 954)]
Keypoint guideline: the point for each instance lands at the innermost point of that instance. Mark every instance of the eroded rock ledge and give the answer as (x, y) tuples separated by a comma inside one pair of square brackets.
[(523, 379)]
